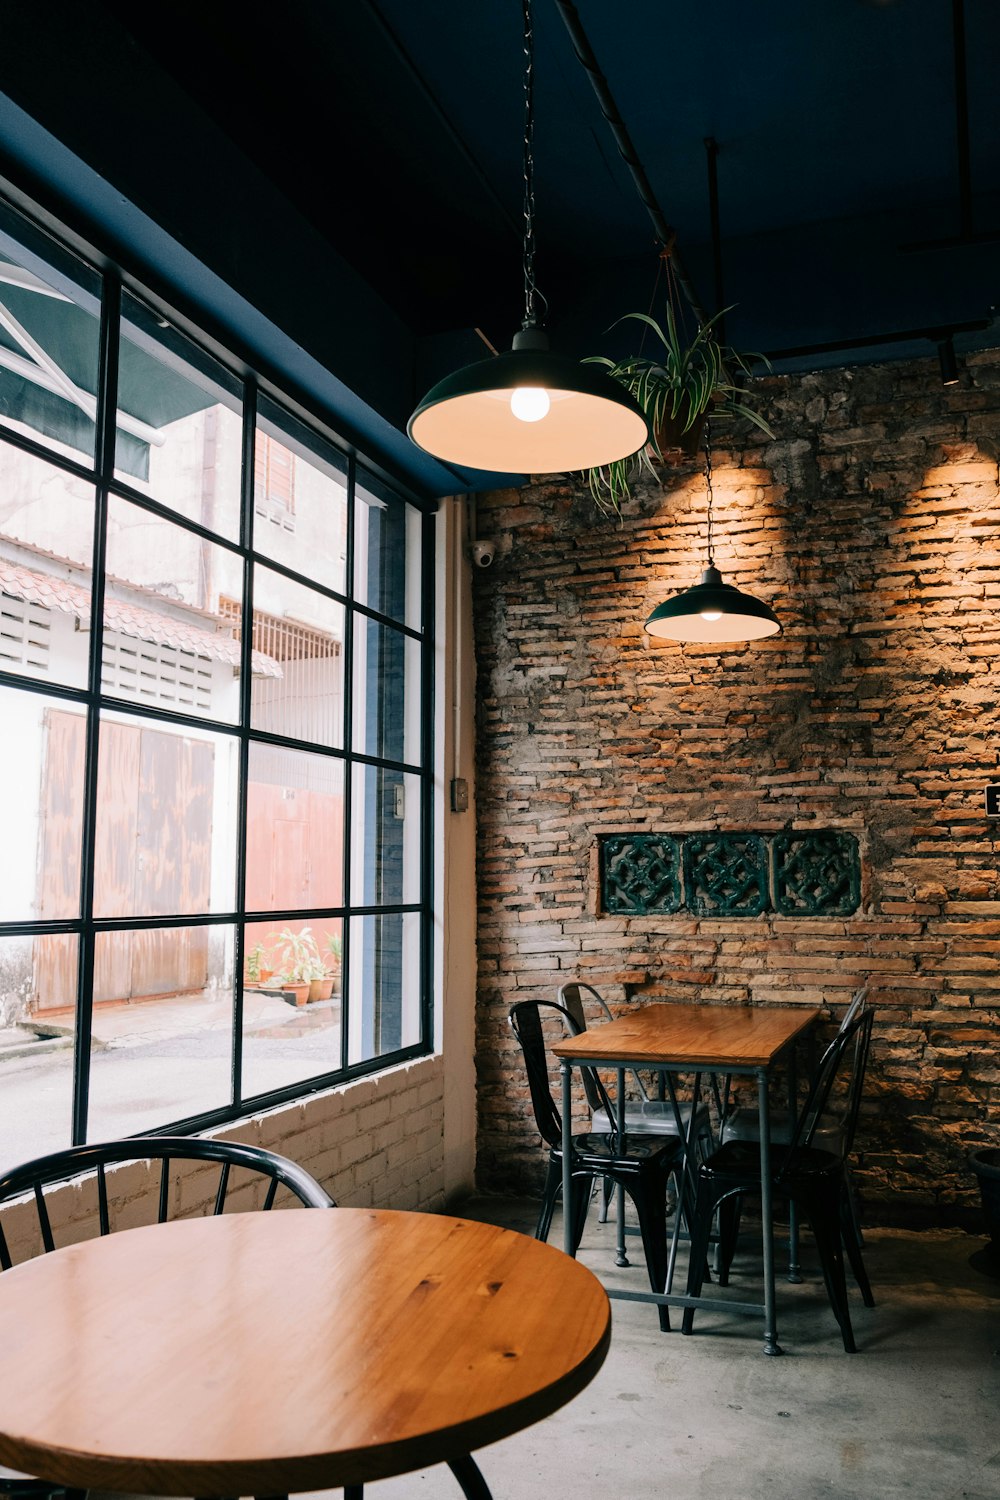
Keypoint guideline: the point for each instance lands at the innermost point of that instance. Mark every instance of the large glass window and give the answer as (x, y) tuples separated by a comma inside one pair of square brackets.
[(216, 791)]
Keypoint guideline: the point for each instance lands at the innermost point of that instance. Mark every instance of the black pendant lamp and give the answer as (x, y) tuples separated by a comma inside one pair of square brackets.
[(712, 610), (529, 411)]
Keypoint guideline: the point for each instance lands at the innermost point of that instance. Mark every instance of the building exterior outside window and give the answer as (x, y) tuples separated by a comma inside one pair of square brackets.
[(206, 822)]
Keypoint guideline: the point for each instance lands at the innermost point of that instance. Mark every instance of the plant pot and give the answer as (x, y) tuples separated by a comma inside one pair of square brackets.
[(677, 446), (296, 994), (986, 1165), (321, 989)]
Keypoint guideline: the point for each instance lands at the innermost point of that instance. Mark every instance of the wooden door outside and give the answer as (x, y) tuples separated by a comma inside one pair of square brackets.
[(152, 857)]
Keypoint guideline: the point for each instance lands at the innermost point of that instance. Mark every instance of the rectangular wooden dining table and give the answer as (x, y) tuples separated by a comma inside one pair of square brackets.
[(739, 1040)]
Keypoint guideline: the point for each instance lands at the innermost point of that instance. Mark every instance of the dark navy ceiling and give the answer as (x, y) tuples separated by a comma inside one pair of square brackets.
[(858, 164)]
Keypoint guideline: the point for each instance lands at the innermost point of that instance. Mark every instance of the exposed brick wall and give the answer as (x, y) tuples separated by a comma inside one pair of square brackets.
[(872, 524), (377, 1142)]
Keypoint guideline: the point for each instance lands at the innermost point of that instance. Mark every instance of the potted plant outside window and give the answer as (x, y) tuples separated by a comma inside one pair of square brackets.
[(258, 971), (297, 956), (677, 386), (334, 947)]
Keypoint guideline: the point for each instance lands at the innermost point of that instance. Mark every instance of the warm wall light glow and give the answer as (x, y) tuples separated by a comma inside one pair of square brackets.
[(530, 403)]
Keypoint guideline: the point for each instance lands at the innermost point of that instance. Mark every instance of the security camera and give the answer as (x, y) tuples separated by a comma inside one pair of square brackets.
[(483, 554)]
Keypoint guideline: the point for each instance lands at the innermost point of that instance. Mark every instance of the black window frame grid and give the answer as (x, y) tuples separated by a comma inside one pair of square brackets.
[(92, 700)]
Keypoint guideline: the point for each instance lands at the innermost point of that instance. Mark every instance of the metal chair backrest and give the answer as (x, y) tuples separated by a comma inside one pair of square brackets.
[(81, 1161), (571, 996), (526, 1023), (859, 1001), (846, 1055)]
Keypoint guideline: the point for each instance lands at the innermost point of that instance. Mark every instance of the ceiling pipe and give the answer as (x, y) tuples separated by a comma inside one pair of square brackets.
[(712, 155), (962, 120), (664, 231), (872, 340), (445, 119)]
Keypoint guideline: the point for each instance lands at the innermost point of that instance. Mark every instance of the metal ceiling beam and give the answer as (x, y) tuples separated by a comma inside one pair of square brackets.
[(665, 233)]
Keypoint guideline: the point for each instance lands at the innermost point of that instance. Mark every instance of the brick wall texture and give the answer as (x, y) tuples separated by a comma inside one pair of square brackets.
[(871, 523)]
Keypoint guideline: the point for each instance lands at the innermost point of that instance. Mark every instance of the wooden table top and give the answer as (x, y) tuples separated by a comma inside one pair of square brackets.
[(726, 1037), (262, 1353)]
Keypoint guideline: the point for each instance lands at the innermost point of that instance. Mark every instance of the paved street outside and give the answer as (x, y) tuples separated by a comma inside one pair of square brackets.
[(152, 1062)]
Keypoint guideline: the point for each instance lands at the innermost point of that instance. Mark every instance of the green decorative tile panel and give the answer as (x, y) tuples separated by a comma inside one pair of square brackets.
[(725, 874), (796, 874), (815, 874), (640, 873)]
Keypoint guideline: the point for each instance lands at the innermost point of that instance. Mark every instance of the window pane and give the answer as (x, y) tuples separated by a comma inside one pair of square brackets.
[(383, 1005), (38, 982), (171, 1058), (291, 1034), (385, 837), (169, 637), (46, 550), (42, 814), (386, 692), (49, 340), (300, 498), (299, 687), (180, 429), (387, 554), (295, 830), (166, 822)]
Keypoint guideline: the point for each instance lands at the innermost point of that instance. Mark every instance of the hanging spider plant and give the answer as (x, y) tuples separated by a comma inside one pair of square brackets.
[(675, 388)]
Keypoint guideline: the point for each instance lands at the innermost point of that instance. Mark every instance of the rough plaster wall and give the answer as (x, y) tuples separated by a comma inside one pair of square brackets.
[(872, 524), (375, 1143)]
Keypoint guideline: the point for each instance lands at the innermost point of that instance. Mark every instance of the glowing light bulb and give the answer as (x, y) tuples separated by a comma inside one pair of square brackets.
[(529, 403), (711, 614)]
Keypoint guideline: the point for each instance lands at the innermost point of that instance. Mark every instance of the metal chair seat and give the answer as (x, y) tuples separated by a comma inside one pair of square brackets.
[(744, 1125), (655, 1117)]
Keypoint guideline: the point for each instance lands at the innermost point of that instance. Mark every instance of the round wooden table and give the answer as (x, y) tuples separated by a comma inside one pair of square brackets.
[(258, 1354)]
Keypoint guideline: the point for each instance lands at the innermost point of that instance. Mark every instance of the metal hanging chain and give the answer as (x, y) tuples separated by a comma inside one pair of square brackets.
[(708, 486), (530, 289)]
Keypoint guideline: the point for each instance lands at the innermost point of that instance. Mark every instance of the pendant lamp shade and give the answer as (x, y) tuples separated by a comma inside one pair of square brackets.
[(712, 611), (529, 412)]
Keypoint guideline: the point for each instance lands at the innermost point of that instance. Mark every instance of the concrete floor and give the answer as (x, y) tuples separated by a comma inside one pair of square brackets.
[(915, 1413)]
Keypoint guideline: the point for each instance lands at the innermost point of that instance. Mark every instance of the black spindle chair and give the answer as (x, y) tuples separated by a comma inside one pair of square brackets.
[(642, 1165), (61, 1167)]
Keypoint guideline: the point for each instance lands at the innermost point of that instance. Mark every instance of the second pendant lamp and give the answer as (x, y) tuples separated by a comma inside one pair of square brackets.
[(712, 610), (530, 411)]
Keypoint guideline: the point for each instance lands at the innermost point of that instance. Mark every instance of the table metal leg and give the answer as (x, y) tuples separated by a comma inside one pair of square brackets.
[(687, 1187), (466, 1471), (771, 1345), (621, 1259), (794, 1274), (565, 1070)]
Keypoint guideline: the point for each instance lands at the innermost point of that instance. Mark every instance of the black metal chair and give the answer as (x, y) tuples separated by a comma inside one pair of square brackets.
[(33, 1177), (743, 1124), (643, 1115), (806, 1175), (641, 1165)]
